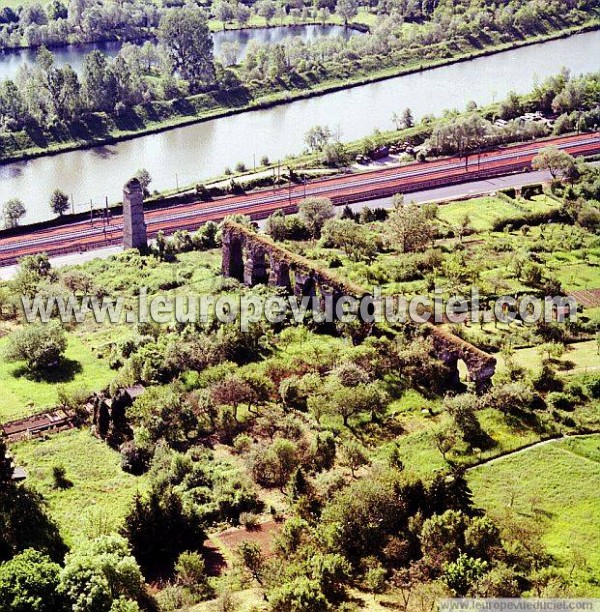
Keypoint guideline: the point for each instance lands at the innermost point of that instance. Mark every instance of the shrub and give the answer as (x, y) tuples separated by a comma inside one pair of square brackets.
[(593, 387), (190, 571), (242, 444), (40, 346), (561, 401), (528, 191), (249, 521), (510, 192), (59, 476)]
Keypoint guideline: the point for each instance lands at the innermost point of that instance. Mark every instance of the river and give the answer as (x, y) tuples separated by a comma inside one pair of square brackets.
[(196, 152), (12, 59)]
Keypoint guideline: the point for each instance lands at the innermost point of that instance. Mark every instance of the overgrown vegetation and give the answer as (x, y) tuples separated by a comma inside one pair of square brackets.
[(324, 466)]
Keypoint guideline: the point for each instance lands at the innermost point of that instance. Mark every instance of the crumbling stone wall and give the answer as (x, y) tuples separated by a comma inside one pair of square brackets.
[(245, 257), (450, 349), (291, 271)]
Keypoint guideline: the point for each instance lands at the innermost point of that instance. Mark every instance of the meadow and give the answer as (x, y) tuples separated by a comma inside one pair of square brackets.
[(101, 491), (569, 515), (24, 395)]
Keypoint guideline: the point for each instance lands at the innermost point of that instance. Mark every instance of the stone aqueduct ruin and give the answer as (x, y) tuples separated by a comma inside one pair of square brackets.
[(253, 259)]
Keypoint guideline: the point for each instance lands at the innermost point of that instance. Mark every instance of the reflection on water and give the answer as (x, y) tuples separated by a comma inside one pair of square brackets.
[(11, 60), (192, 153)]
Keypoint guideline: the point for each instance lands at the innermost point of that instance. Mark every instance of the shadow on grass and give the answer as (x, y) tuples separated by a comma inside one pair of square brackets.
[(64, 372)]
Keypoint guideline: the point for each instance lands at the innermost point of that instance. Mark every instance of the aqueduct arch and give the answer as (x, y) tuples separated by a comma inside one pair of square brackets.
[(253, 259)]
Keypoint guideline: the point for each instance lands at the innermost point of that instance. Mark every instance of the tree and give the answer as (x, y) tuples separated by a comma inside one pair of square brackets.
[(242, 14), (23, 519), (143, 176), (317, 137), (59, 202), (376, 579), (407, 120), (14, 210), (314, 212), (40, 345), (165, 415), (274, 465), (360, 516), (224, 11), (463, 573), (100, 90), (276, 226), (299, 594), (6, 463), (159, 529), (347, 10), (266, 9), (410, 227), (462, 410), (190, 570), (511, 107), (443, 537), (231, 391), (253, 559), (189, 45), (99, 573), (557, 162), (29, 583), (60, 84), (353, 455), (355, 240)]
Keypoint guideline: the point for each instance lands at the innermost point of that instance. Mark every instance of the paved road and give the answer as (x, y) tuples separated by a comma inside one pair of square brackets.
[(453, 192)]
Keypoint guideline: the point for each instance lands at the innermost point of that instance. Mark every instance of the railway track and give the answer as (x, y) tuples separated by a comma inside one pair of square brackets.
[(344, 189)]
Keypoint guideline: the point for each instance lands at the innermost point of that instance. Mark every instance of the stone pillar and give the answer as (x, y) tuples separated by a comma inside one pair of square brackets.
[(482, 376), (305, 284), (134, 226), (330, 295), (255, 269), (233, 259), (279, 274)]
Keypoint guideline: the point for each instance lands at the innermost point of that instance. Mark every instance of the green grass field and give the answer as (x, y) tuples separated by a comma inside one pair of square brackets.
[(101, 493), (560, 490), (483, 211), (22, 396), (580, 358), (421, 456)]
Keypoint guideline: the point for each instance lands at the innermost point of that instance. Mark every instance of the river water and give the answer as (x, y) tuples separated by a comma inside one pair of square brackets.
[(11, 60), (193, 153)]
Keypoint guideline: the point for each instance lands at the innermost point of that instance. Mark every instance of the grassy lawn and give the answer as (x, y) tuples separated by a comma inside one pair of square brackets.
[(560, 491), (579, 358), (22, 396), (421, 456), (101, 492), (580, 275), (483, 211)]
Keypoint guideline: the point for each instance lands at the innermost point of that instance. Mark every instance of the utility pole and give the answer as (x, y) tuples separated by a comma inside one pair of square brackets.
[(92, 212)]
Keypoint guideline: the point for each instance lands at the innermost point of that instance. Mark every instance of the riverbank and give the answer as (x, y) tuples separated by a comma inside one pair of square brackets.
[(16, 149), (213, 25)]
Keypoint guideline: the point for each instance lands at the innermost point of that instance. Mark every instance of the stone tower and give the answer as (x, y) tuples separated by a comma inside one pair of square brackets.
[(134, 226)]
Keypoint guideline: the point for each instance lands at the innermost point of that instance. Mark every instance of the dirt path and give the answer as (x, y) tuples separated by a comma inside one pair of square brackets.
[(529, 447)]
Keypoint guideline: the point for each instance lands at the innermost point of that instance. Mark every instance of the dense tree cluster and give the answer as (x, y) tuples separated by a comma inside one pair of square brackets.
[(53, 98)]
